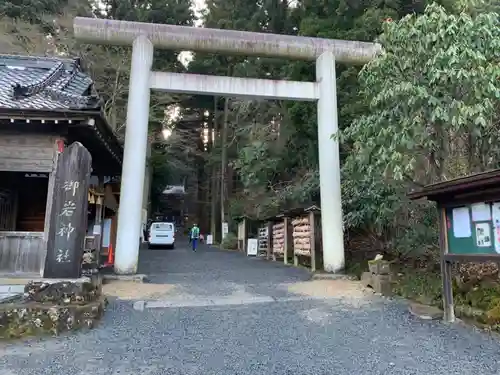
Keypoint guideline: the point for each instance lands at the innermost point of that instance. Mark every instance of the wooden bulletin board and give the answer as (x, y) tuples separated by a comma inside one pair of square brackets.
[(474, 228), (469, 224)]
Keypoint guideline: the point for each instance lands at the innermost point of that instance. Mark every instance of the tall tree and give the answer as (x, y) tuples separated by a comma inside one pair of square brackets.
[(433, 115), (39, 12), (115, 76), (238, 15)]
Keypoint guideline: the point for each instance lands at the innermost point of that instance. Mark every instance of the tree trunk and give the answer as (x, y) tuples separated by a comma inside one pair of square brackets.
[(213, 175), (223, 165)]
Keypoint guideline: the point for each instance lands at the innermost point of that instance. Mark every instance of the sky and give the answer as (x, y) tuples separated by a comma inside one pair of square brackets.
[(186, 57), (198, 5)]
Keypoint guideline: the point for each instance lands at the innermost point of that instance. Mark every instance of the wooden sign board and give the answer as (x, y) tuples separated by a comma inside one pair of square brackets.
[(68, 215), (473, 228)]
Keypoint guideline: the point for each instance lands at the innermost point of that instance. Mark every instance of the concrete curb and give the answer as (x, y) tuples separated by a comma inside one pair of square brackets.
[(217, 301), (332, 276), (138, 278)]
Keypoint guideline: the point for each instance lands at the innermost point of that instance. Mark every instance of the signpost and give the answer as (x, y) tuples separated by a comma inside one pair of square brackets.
[(469, 224), (68, 215)]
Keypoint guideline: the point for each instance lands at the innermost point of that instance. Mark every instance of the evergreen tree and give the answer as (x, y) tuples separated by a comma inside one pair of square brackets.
[(33, 11)]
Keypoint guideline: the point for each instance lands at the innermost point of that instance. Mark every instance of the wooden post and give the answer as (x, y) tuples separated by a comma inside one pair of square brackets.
[(58, 148), (245, 235), (68, 214), (449, 310), (269, 239), (286, 237), (295, 256), (15, 208), (99, 205), (242, 235), (272, 243), (312, 240)]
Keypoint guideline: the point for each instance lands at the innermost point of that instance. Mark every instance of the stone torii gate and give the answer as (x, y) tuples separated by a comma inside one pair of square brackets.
[(144, 37)]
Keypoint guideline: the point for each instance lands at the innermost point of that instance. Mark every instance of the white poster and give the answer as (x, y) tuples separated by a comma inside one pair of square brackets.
[(225, 229), (252, 246), (241, 230), (210, 239), (461, 222), (481, 212), (495, 213), (483, 235), (106, 233)]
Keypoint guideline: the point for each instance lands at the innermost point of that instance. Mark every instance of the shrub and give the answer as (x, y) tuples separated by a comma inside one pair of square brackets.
[(230, 242)]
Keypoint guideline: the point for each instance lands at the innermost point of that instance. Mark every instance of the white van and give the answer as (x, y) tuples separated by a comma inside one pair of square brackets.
[(162, 234)]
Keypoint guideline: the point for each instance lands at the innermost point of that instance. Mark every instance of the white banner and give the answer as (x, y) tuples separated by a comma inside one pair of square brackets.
[(225, 229)]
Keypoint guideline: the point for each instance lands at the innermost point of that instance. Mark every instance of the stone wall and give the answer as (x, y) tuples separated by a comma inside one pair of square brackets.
[(51, 309)]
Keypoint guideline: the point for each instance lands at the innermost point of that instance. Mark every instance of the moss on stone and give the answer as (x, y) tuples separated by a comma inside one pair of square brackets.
[(423, 287), (493, 313), (478, 301), (52, 308), (62, 292), (23, 319)]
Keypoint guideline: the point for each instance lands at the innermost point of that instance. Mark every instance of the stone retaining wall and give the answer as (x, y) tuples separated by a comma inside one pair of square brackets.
[(51, 308), (33, 319)]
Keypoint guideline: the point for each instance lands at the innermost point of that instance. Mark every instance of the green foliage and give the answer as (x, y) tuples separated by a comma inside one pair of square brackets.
[(428, 112), (230, 242), (33, 11), (481, 303), (421, 286), (112, 70), (436, 81), (475, 7), (279, 168)]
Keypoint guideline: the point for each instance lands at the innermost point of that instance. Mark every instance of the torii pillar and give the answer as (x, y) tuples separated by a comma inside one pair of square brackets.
[(144, 37)]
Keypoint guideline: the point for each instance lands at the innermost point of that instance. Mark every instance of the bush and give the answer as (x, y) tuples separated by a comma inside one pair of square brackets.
[(230, 242)]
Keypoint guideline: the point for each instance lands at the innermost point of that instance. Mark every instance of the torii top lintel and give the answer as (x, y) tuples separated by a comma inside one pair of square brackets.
[(101, 31)]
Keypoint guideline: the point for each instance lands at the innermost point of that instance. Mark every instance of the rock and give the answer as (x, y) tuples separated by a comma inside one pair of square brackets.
[(62, 292), (34, 318), (366, 279), (382, 284), (425, 312), (379, 267)]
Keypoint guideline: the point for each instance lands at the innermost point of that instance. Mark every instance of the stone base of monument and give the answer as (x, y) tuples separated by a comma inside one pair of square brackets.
[(381, 284), (51, 308)]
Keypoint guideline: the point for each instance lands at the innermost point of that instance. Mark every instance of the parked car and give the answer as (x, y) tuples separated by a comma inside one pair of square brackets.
[(162, 234)]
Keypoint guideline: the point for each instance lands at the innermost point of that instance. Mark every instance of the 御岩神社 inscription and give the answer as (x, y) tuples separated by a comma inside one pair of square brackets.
[(68, 218)]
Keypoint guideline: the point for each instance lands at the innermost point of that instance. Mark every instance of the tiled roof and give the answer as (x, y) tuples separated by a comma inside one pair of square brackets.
[(45, 83)]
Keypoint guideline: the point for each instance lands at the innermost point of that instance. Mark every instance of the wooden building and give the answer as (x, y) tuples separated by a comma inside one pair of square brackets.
[(103, 201), (45, 105)]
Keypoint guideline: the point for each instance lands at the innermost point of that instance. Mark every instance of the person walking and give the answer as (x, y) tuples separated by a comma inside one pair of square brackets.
[(194, 236)]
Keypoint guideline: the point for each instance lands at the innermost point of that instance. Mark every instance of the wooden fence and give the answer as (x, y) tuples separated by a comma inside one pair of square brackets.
[(21, 252)]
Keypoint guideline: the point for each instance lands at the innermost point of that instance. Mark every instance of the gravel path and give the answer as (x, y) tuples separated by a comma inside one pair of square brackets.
[(341, 334)]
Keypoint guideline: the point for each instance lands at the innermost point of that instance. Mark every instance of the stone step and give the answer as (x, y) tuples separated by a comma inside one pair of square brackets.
[(24, 281), (12, 286)]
